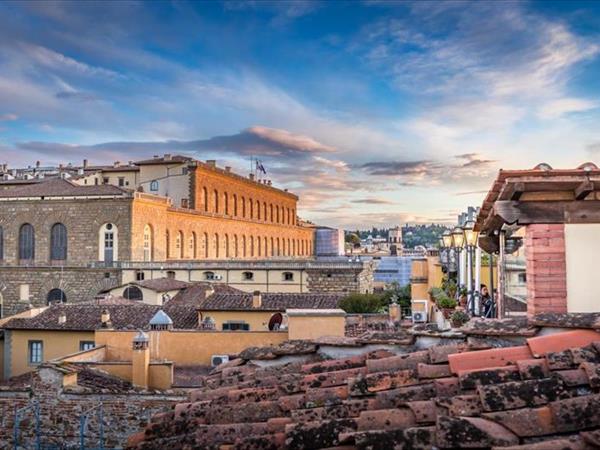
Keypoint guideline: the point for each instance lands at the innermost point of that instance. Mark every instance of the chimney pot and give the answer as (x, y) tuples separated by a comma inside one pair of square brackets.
[(85, 163), (227, 168), (256, 299), (168, 157), (105, 318), (251, 176), (117, 163), (211, 162), (37, 164), (62, 318), (209, 291)]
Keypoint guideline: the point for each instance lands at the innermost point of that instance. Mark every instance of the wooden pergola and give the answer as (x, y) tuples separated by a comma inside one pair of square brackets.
[(536, 196)]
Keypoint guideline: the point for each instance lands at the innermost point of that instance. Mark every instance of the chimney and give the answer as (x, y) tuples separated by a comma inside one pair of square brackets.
[(251, 176), (60, 166), (211, 162), (37, 164), (209, 291), (227, 168), (62, 318), (256, 299), (394, 312), (105, 319), (168, 157), (85, 163), (130, 163), (156, 156), (140, 360), (117, 164)]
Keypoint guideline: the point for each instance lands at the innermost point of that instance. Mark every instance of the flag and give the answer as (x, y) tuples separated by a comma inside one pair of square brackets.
[(260, 167)]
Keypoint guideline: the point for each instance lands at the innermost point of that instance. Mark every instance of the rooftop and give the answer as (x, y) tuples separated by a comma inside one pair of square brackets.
[(58, 187), (270, 301), (481, 391)]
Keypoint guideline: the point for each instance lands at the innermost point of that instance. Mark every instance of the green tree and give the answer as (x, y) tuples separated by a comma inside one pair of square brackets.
[(362, 304)]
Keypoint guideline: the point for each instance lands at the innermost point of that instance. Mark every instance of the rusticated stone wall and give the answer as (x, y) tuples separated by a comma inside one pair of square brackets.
[(60, 409)]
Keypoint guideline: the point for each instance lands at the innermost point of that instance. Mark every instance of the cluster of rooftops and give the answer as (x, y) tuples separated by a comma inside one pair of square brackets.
[(116, 312)]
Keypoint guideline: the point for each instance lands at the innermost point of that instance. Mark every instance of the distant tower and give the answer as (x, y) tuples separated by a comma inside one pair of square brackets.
[(395, 240)]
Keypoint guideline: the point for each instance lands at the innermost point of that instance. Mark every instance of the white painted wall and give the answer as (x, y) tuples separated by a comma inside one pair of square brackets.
[(582, 246)]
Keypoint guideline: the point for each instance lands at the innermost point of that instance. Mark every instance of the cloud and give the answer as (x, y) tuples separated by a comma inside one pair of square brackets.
[(253, 141), (593, 148), (8, 117), (373, 201), (397, 168), (556, 108)]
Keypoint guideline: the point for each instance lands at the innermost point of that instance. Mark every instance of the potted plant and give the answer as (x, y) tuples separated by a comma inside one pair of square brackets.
[(462, 297), (459, 318), (447, 305)]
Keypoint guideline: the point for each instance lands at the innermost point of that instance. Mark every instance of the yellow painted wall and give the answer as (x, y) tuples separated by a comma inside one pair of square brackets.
[(258, 320), (186, 347), (56, 345), (314, 327), (160, 375)]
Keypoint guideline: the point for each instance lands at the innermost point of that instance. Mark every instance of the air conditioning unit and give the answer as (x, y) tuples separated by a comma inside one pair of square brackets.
[(216, 360), (419, 311)]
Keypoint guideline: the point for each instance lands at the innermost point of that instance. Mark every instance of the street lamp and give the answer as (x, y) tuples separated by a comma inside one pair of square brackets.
[(447, 239), (458, 238), (471, 237)]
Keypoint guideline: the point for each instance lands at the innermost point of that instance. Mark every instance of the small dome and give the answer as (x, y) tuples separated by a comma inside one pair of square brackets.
[(588, 166), (140, 337), (161, 318), (543, 166)]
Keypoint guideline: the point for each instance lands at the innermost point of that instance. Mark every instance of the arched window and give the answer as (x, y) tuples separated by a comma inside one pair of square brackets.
[(216, 245), (108, 247), (168, 244), (216, 201), (272, 247), (278, 253), (193, 246), (266, 252), (58, 242), (1, 243), (26, 242), (205, 243), (283, 247), (209, 276), (226, 246), (133, 293), (226, 203), (148, 243), (293, 247), (56, 296), (243, 207), (265, 211), (235, 209), (293, 217), (251, 246), (243, 246), (275, 322), (271, 212), (235, 245), (247, 276), (205, 198), (257, 211), (154, 186), (179, 247), (251, 207), (277, 214)]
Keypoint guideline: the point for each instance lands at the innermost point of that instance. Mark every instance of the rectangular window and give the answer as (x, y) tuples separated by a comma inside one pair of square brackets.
[(86, 345), (139, 275), (121, 181), (236, 326), (105, 180), (288, 276), (36, 352), (248, 276)]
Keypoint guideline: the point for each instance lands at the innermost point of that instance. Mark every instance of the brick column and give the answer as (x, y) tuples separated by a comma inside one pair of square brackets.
[(546, 268)]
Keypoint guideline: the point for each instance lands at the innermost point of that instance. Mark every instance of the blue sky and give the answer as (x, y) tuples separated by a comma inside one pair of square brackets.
[(374, 112)]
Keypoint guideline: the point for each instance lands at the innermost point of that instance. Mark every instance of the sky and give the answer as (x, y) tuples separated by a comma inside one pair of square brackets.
[(375, 113)]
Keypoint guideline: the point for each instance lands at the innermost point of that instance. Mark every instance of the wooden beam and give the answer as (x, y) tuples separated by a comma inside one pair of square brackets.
[(524, 213), (584, 189), (489, 244)]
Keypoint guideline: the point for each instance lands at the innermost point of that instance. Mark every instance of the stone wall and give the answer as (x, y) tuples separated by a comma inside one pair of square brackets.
[(194, 235), (78, 284), (82, 218), (339, 279), (60, 410)]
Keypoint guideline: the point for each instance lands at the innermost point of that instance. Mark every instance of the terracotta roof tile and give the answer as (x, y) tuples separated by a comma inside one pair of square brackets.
[(561, 341), (57, 187), (488, 358), (270, 301)]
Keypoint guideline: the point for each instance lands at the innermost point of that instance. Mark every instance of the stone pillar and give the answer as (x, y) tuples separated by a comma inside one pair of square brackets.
[(546, 269), (140, 360)]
